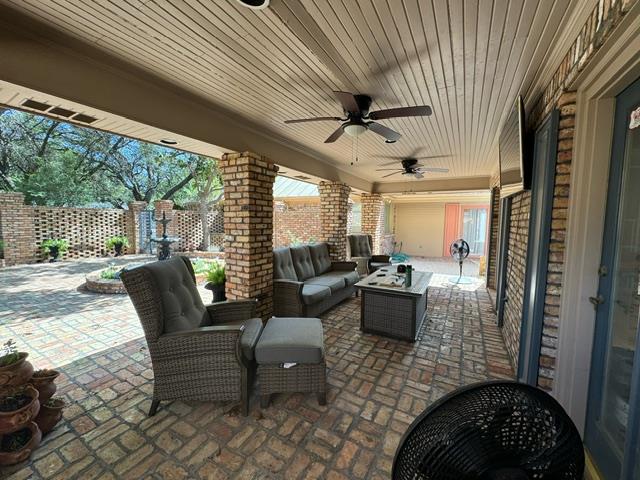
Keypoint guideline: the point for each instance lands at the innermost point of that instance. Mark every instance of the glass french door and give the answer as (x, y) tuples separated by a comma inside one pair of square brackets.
[(474, 228), (613, 414)]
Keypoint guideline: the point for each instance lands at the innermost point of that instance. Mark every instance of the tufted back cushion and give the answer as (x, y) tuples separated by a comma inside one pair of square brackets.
[(182, 307), (302, 262), (283, 265), (320, 257), (360, 245)]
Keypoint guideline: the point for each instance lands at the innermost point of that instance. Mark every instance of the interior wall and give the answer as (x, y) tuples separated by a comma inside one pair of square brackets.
[(420, 228)]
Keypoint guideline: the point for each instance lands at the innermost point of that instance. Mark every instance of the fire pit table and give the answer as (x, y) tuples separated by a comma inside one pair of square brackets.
[(388, 308)]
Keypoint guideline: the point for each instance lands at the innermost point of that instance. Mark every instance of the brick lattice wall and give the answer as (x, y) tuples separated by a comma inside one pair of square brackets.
[(296, 223), (86, 229), (334, 212), (494, 228), (373, 219), (248, 226), (516, 267), (188, 227)]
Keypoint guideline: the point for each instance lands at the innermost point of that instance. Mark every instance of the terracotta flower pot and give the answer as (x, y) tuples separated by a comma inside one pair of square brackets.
[(18, 373), (13, 420), (50, 414), (44, 382), (23, 452)]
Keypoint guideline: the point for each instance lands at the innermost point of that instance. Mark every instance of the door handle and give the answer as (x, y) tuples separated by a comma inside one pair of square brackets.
[(595, 301)]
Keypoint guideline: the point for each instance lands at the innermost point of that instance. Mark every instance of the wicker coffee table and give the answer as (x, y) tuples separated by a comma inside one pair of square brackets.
[(394, 311)]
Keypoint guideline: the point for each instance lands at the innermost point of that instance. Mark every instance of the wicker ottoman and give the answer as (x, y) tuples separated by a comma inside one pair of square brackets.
[(297, 341)]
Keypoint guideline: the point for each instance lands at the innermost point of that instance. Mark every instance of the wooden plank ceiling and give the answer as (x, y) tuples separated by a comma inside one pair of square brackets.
[(467, 59)]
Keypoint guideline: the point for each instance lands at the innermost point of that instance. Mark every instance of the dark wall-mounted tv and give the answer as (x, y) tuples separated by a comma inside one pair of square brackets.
[(515, 164)]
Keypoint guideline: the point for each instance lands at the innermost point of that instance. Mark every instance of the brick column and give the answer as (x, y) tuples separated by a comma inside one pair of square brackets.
[(133, 225), (160, 207), (334, 210), (248, 227), (373, 219), (494, 228), (17, 230)]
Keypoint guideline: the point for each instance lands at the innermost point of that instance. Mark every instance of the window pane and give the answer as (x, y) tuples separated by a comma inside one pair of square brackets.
[(474, 229)]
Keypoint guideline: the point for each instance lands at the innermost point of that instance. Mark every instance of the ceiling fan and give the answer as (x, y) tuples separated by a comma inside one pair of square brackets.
[(410, 166), (358, 119)]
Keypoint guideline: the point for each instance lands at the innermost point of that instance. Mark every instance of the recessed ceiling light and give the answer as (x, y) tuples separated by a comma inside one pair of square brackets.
[(168, 141), (254, 4)]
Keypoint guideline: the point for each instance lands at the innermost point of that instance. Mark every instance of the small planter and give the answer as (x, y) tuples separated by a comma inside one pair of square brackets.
[(218, 291), (17, 373), (54, 253), (118, 249), (18, 407), (43, 381), (17, 446), (50, 414)]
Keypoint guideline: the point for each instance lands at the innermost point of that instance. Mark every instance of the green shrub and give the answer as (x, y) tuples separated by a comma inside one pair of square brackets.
[(200, 265), (9, 353), (110, 273), (63, 245), (216, 274), (112, 242)]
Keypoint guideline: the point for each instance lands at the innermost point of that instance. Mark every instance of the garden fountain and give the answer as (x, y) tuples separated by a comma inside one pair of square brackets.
[(164, 242)]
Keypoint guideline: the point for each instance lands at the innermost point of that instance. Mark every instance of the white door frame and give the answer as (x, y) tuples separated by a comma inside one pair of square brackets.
[(615, 66)]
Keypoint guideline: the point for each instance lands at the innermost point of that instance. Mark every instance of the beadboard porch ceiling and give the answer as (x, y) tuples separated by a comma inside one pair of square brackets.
[(467, 59)]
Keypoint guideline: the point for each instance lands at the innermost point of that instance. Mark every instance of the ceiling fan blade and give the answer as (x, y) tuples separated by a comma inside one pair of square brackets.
[(397, 157), (388, 169), (434, 169), (394, 173), (415, 152), (335, 135), (316, 119), (420, 111), (433, 156), (386, 132), (348, 101)]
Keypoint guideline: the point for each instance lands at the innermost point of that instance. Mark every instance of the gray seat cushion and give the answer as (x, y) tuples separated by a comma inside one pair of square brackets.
[(350, 277), (298, 340), (320, 257), (360, 245), (302, 262), (181, 303), (283, 265), (314, 293), (250, 335), (332, 280)]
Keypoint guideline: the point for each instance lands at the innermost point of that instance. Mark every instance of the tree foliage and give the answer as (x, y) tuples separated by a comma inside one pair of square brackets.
[(59, 164)]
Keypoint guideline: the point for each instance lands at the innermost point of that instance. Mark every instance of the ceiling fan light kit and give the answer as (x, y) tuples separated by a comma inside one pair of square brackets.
[(354, 129)]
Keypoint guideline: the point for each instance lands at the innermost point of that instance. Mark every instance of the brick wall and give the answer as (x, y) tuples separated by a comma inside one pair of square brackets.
[(296, 222), (515, 271), (188, 227), (16, 229), (334, 212), (248, 226), (373, 219)]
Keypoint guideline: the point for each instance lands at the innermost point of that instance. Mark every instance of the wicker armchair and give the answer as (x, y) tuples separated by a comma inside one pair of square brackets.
[(360, 248), (198, 352)]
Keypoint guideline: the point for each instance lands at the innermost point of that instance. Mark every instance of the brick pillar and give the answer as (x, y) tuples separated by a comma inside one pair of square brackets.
[(373, 219), (248, 227), (133, 225), (334, 210), (166, 207), (17, 229), (494, 228)]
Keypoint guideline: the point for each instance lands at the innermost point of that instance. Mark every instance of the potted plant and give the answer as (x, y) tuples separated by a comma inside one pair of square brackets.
[(215, 281), (54, 247), (18, 406), (117, 243), (17, 446), (14, 367), (43, 381), (50, 414)]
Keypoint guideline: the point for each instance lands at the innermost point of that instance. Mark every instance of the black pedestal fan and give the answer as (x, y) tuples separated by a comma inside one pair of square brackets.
[(496, 430), (459, 250)]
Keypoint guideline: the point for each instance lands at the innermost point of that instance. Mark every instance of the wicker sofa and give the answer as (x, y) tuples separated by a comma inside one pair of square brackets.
[(307, 282)]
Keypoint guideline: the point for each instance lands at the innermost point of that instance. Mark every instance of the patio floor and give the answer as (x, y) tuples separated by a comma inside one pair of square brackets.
[(377, 387)]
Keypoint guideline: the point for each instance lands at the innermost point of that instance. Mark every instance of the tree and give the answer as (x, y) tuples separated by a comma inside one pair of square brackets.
[(207, 189)]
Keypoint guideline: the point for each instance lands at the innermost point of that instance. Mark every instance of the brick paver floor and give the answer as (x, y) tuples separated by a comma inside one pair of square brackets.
[(377, 387)]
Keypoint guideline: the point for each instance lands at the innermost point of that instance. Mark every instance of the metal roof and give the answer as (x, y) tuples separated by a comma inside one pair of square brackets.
[(285, 187)]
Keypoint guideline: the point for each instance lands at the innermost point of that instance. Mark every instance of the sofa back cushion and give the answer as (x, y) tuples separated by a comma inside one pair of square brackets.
[(283, 265), (360, 245), (320, 257), (182, 307), (302, 262)]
